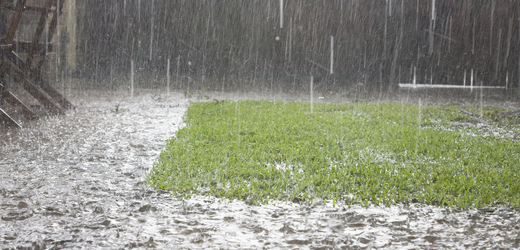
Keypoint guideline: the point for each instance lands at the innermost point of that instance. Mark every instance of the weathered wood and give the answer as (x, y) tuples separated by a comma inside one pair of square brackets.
[(26, 71), (36, 79), (15, 21), (54, 20), (36, 39), (26, 47), (14, 101), (51, 91), (7, 121), (29, 86), (27, 8)]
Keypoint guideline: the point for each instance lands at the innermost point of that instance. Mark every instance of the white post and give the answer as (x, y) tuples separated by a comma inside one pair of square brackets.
[(290, 38), (481, 101), (419, 117), (312, 79), (168, 78), (132, 78), (507, 79), (281, 14), (464, 81), (414, 75), (151, 33), (331, 54), (471, 80)]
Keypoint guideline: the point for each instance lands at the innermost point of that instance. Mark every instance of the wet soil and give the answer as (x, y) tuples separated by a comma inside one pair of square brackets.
[(78, 181)]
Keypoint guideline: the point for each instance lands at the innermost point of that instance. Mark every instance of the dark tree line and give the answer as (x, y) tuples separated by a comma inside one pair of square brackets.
[(375, 41)]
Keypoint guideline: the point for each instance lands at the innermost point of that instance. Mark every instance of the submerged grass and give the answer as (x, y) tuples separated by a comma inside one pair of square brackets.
[(354, 153)]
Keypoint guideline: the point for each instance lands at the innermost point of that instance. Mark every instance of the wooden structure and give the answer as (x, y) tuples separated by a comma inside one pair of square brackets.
[(22, 61)]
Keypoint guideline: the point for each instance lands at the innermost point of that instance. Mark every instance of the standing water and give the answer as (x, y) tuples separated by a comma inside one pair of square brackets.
[(78, 181)]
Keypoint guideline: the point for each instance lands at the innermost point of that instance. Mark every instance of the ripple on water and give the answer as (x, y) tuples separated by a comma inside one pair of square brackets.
[(77, 181)]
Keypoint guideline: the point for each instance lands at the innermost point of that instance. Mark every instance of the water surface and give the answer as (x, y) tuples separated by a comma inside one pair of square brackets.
[(77, 181)]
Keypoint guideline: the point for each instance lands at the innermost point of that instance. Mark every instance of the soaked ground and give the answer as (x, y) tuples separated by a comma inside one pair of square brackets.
[(77, 181)]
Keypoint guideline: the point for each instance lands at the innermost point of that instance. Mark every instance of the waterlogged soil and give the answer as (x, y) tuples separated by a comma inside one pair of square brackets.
[(78, 181)]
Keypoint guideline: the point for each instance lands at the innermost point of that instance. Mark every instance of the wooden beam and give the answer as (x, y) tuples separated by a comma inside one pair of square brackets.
[(7, 121), (36, 39), (54, 20), (29, 86), (14, 101), (71, 30), (36, 79), (15, 21), (26, 47), (36, 93), (27, 8)]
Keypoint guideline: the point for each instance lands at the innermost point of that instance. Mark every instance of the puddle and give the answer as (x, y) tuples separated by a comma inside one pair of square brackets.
[(77, 181)]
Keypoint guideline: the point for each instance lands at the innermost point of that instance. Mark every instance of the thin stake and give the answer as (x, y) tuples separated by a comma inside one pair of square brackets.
[(312, 79), (419, 130), (498, 53), (331, 54), (508, 39), (464, 78), (471, 80), (414, 75), (449, 36), (432, 27), (132, 78), (168, 78), (177, 74), (481, 101), (151, 33), (507, 79), (281, 14), (290, 39)]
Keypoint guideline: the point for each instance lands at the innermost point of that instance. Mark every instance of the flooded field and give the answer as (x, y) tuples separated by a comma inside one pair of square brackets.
[(77, 181)]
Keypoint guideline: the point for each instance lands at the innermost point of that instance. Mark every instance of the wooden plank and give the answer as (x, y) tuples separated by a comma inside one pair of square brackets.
[(7, 121), (27, 8), (14, 101), (35, 78), (26, 47), (54, 20), (55, 95), (15, 21), (34, 73), (29, 86), (2, 23), (36, 93), (36, 39)]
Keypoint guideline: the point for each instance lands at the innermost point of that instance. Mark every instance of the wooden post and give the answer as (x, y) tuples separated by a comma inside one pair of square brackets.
[(71, 30)]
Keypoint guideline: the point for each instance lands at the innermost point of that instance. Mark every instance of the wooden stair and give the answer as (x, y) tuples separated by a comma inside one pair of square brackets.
[(26, 70)]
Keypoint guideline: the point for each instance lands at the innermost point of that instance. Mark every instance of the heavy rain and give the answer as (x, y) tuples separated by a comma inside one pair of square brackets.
[(95, 94)]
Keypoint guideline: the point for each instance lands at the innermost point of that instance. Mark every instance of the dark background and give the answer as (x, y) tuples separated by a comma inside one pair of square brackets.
[(376, 42)]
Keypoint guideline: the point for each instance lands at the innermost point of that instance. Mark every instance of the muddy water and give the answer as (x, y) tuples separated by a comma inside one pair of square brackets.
[(77, 181)]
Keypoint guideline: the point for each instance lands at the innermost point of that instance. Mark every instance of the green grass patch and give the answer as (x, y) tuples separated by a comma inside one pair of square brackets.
[(355, 153)]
